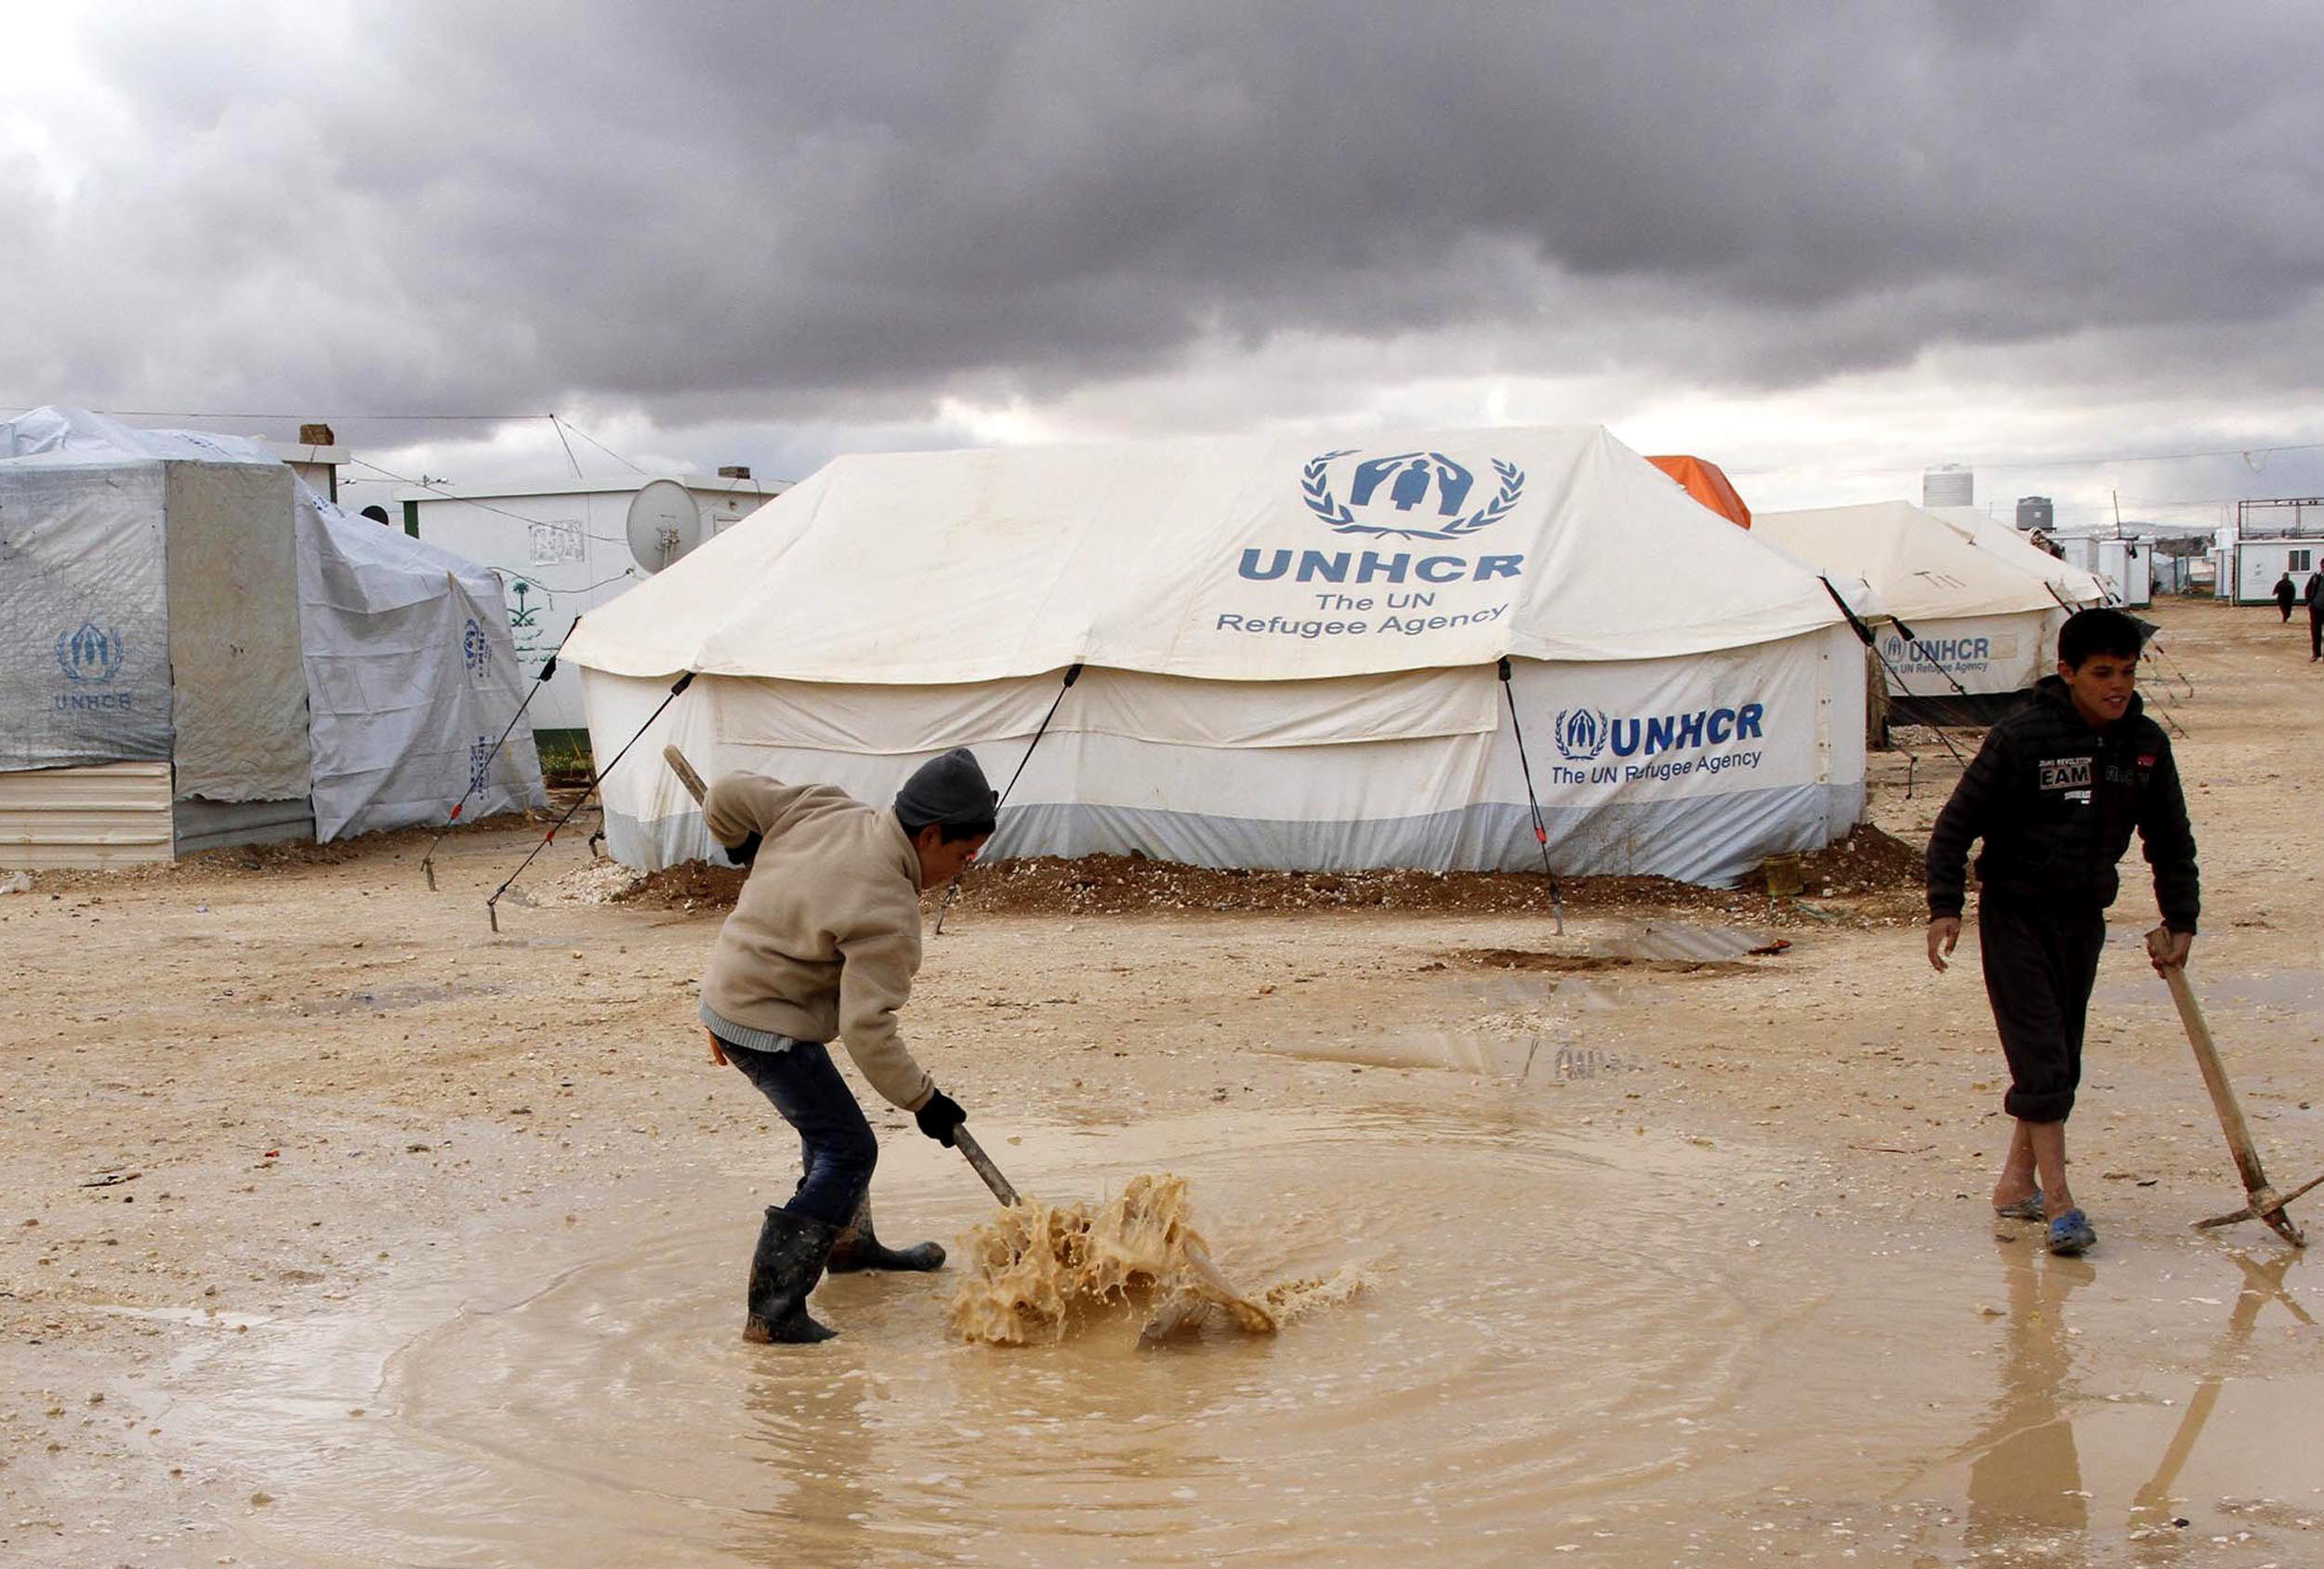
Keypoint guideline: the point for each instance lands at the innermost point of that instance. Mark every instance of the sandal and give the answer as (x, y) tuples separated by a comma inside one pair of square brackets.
[(2027, 1209), (2070, 1235)]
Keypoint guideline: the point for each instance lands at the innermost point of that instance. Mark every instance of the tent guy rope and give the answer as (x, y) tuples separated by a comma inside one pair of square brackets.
[(1073, 673), (1540, 825), (492, 905), (1866, 636), (476, 782)]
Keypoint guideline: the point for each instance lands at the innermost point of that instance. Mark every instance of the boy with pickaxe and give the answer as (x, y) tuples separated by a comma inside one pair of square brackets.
[(824, 941), (2056, 793)]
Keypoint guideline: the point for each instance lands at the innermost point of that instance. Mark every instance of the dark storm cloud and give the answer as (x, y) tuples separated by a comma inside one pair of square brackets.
[(703, 208)]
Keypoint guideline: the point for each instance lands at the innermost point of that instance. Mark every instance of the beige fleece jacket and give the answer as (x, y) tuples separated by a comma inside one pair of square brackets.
[(824, 939)]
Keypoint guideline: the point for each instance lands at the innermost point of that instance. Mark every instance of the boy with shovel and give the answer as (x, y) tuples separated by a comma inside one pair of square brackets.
[(2054, 793), (824, 941)]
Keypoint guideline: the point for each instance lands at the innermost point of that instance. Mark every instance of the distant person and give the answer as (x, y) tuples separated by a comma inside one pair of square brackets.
[(2054, 793), (824, 941), (2285, 594), (2316, 617)]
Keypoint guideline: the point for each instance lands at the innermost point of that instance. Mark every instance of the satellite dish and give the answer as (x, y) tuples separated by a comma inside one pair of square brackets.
[(665, 523)]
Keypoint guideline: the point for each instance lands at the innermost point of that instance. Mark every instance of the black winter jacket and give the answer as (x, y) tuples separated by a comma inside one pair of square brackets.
[(2055, 801)]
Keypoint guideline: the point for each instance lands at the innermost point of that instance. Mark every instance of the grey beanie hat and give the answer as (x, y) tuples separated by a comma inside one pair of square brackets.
[(950, 790)]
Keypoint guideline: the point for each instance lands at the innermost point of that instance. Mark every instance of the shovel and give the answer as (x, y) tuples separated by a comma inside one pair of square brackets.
[(2263, 1202)]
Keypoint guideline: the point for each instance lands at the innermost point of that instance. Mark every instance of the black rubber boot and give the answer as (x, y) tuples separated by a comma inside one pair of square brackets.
[(783, 1271), (859, 1249)]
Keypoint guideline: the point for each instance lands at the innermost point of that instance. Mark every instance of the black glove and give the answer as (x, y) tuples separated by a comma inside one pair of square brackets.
[(940, 1116), (740, 854)]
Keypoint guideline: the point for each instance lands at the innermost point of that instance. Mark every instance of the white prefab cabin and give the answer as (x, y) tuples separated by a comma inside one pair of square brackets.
[(561, 552)]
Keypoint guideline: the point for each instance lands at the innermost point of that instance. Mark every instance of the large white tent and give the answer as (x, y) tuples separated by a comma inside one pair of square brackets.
[(196, 649), (1977, 627), (1291, 654)]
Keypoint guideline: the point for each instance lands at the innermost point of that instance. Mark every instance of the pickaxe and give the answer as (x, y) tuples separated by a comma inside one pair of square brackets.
[(2264, 1203)]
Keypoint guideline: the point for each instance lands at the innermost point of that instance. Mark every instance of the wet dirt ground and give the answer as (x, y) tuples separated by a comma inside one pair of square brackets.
[(338, 1230)]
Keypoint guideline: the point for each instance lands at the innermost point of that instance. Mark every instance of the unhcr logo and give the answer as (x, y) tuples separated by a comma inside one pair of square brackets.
[(91, 654), (475, 650), (1640, 746), (1958, 652), (1581, 733), (1412, 495)]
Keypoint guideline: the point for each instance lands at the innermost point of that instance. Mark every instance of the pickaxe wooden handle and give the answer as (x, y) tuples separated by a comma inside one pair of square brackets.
[(686, 774), (2265, 1202), (982, 1166)]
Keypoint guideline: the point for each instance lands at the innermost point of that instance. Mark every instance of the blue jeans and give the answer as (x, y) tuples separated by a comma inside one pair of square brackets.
[(839, 1147)]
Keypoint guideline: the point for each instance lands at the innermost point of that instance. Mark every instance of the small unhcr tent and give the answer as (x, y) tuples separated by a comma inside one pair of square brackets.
[(1290, 653), (1968, 631), (197, 651)]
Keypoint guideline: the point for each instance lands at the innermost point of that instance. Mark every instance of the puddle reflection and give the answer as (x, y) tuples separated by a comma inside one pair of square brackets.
[(2049, 1463), (2027, 1473), (2263, 1283)]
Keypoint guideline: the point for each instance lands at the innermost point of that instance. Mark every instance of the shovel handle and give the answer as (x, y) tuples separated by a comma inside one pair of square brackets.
[(982, 1164)]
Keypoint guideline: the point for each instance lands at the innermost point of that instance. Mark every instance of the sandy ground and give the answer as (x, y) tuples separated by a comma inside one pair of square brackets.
[(306, 1168)]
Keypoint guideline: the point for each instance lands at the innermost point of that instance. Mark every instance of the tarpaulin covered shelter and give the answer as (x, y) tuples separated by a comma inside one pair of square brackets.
[(1291, 654), (1969, 629), (1708, 484), (197, 650)]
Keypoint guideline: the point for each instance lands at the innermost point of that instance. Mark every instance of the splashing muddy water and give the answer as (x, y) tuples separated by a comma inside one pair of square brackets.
[(1036, 1270)]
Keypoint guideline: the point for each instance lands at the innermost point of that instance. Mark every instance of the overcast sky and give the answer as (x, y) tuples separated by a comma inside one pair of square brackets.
[(1826, 247)]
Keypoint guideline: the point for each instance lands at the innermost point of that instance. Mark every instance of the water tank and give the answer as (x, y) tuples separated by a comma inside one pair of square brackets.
[(1949, 484), (2034, 512)]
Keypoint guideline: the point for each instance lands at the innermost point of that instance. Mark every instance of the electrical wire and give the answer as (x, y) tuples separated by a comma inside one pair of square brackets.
[(2016, 465), (559, 426), (438, 490), (567, 424), (529, 576)]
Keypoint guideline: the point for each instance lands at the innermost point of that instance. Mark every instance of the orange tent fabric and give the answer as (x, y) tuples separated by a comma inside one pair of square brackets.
[(1707, 485)]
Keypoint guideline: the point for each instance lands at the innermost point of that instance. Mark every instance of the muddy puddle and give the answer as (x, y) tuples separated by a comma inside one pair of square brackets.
[(1534, 1058), (391, 999), (1686, 942), (2280, 990), (1641, 947), (1629, 1349)]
